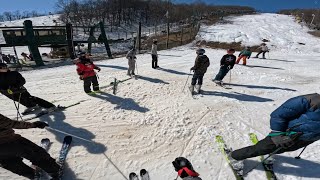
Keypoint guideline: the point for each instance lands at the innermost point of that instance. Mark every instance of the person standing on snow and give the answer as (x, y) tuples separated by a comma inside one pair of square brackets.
[(227, 62), (200, 68), (244, 54), (15, 147), (131, 56), (154, 54), (295, 124), (185, 169), (263, 49), (11, 85), (85, 69)]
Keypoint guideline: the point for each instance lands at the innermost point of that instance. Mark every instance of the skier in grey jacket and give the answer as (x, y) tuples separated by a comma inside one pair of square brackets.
[(154, 54), (131, 56)]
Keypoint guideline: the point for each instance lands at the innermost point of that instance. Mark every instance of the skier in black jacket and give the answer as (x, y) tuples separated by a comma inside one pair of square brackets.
[(227, 62), (11, 85)]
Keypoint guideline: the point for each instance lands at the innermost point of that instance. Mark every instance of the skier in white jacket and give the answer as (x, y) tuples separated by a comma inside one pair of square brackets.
[(263, 49), (131, 56), (154, 54)]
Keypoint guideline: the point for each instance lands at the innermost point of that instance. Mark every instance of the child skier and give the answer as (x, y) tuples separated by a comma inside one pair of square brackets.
[(295, 124), (185, 169), (15, 147), (131, 56), (263, 49), (227, 62), (154, 54), (85, 69), (11, 85), (200, 68), (244, 54)]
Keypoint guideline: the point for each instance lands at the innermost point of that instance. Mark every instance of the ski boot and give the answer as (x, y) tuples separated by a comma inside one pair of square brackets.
[(30, 110)]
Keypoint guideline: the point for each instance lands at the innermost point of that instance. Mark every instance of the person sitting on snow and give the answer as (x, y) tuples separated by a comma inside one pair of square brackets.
[(295, 124), (244, 54), (263, 49), (185, 169)]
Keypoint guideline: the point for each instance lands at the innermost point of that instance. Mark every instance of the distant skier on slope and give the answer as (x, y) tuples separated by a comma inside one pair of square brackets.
[(85, 69), (154, 54), (200, 68), (226, 63), (295, 124), (244, 54), (14, 148), (263, 49), (131, 56), (185, 169), (11, 85)]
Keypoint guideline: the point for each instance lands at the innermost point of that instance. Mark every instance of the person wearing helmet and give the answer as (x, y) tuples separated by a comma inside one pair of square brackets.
[(85, 69), (11, 85), (200, 68), (244, 54), (131, 56), (185, 169), (227, 62), (154, 54), (263, 49)]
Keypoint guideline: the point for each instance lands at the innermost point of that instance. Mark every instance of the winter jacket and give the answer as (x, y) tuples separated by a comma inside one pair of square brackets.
[(6, 128), (201, 64), (192, 178), (85, 68), (245, 53), (154, 50), (228, 60), (12, 80), (264, 48), (131, 55), (299, 114)]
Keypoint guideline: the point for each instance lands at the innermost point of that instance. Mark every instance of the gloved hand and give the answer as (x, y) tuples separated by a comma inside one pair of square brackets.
[(181, 162), (192, 69), (81, 77), (39, 124), (248, 57), (9, 91), (286, 141), (99, 69)]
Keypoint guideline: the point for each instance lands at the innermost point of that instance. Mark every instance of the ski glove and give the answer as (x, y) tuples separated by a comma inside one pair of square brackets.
[(285, 141), (39, 124), (181, 162)]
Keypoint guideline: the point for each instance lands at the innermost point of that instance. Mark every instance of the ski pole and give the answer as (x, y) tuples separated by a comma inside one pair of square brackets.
[(262, 161), (62, 132), (230, 77), (268, 55), (298, 157), (186, 82), (137, 67)]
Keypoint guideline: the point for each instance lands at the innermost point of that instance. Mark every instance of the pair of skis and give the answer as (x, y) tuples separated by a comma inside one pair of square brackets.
[(45, 144), (238, 173), (144, 175)]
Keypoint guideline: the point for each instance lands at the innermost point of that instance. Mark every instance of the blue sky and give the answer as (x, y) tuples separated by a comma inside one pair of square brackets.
[(45, 6)]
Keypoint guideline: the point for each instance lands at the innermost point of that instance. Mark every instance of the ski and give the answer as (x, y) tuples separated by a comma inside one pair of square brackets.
[(268, 166), (45, 144), (133, 176), (144, 174), (42, 113), (225, 150), (63, 154)]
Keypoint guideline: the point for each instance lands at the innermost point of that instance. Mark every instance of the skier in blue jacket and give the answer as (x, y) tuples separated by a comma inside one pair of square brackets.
[(295, 124)]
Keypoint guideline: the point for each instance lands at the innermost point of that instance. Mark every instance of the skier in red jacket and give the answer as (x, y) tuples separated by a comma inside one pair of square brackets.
[(85, 69)]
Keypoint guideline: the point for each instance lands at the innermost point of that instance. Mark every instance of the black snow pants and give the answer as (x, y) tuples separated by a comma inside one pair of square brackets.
[(154, 61), (12, 153), (263, 54), (263, 147), (222, 73), (197, 77), (87, 84), (24, 97)]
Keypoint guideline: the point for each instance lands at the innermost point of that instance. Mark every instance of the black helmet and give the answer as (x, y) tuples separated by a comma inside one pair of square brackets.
[(3, 66), (200, 51)]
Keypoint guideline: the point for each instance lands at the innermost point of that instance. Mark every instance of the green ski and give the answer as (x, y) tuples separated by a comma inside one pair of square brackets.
[(268, 166)]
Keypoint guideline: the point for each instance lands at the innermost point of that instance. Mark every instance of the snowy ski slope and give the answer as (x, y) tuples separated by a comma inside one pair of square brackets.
[(151, 120)]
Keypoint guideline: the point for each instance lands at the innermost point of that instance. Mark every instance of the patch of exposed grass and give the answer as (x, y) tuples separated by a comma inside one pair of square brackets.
[(221, 45), (315, 33)]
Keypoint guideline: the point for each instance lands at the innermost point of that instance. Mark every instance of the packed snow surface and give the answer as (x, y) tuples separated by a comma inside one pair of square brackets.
[(153, 120)]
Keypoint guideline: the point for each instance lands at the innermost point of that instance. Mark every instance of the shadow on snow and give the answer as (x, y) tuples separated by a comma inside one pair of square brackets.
[(259, 87), (238, 96)]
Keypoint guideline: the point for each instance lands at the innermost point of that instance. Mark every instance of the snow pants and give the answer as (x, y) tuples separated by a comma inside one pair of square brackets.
[(263, 147), (132, 66), (88, 81), (244, 60), (222, 73), (197, 77), (24, 98), (12, 153), (154, 61), (263, 54)]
